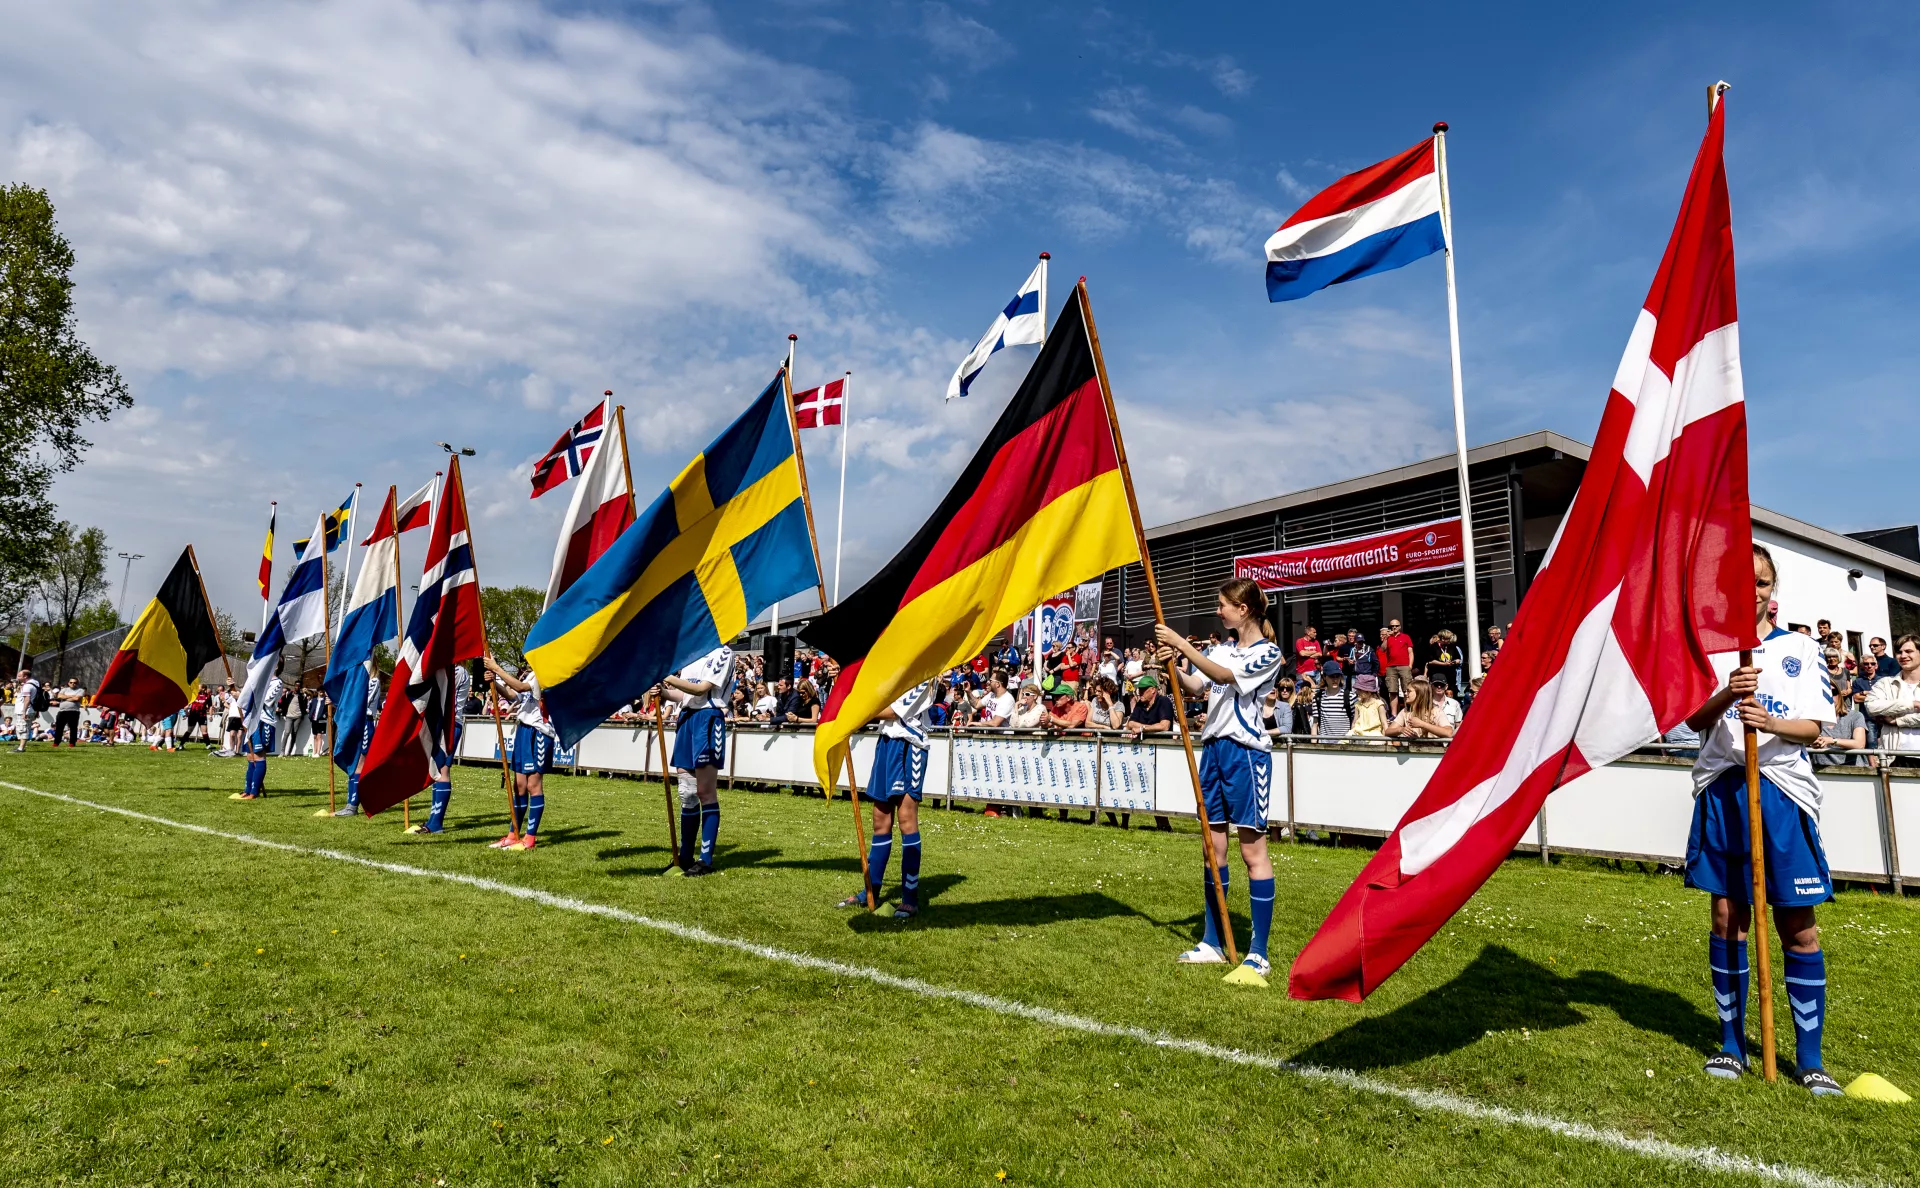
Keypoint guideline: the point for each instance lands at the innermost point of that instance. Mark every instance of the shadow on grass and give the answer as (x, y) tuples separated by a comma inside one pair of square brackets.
[(1023, 912), (1503, 991)]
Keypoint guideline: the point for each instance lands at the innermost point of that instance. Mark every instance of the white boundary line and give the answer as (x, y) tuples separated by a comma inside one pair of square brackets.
[(1710, 1159)]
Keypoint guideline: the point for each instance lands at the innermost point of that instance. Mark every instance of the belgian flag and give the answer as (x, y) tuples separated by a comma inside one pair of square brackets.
[(1042, 507), (156, 672)]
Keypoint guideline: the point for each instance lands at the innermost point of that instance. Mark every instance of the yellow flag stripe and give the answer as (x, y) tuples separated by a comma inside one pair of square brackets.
[(702, 550), (1078, 536), (156, 642)]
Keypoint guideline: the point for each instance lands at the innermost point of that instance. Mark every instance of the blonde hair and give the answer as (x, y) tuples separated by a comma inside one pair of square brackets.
[(1420, 698)]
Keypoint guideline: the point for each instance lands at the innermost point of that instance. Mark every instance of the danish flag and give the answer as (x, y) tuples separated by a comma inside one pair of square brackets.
[(820, 406), (569, 455), (1651, 573)]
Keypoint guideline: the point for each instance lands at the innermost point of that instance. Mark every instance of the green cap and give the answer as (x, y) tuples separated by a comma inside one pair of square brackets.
[(1146, 682)]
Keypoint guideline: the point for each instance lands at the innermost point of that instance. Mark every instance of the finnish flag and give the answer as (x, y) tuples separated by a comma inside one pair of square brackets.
[(1024, 321)]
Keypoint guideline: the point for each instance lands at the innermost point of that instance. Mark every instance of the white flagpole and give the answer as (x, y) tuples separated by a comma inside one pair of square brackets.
[(1044, 257), (793, 342), (346, 568), (1459, 413), (840, 514)]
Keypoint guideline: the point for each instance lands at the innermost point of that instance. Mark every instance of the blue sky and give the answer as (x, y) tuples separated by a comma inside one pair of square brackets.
[(319, 237)]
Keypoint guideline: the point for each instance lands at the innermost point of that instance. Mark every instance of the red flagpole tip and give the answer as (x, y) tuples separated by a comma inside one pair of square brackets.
[(1083, 280), (1441, 126), (608, 392), (793, 338), (1046, 255)]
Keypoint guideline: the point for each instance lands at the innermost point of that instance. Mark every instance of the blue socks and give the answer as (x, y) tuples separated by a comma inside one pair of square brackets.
[(879, 848), (709, 831), (910, 869), (1807, 998), (437, 815), (1727, 959), (1216, 927), (256, 777), (536, 805), (689, 830), (519, 821), (353, 790), (1260, 894)]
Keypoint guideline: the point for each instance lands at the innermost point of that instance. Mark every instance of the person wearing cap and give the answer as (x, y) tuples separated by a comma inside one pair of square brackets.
[(1369, 712), (1068, 711), (1151, 713)]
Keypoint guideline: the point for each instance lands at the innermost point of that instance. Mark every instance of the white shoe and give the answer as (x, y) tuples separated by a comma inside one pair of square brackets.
[(1202, 954)]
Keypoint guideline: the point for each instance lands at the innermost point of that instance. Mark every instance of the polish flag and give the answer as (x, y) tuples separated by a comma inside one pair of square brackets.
[(602, 508), (820, 406), (1650, 575)]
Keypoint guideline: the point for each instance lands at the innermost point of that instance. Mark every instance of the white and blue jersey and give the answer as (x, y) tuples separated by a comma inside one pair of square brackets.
[(700, 732), (909, 721), (533, 735), (1793, 684), (900, 757), (1234, 709), (265, 733)]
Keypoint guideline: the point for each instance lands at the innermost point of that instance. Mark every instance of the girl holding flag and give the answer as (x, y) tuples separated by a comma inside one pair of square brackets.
[(702, 690), (1236, 761), (532, 758)]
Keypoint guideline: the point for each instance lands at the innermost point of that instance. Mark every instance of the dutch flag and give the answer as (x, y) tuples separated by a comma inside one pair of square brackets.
[(1378, 219)]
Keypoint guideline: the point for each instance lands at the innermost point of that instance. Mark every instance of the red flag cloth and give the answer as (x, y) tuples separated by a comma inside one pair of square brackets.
[(1651, 573), (820, 406), (602, 508), (410, 745), (570, 454)]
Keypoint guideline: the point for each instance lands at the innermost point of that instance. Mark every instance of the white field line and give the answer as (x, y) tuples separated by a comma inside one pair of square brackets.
[(1710, 1159)]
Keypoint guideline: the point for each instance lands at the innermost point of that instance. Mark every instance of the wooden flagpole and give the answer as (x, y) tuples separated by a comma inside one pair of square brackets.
[(499, 732), (1159, 616), (666, 782), (859, 837), (211, 618), (1757, 924)]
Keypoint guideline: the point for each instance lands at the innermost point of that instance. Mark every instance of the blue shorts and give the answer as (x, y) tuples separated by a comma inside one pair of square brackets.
[(899, 770), (262, 742), (1718, 845), (1237, 781), (700, 740), (532, 751)]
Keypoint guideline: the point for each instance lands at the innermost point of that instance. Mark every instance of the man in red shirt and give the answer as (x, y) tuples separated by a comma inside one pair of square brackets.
[(1396, 652), (1306, 651)]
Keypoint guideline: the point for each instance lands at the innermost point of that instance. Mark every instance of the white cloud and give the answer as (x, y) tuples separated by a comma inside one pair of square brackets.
[(961, 38), (1291, 185)]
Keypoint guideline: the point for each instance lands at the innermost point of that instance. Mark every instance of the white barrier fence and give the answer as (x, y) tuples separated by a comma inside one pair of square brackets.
[(1637, 808)]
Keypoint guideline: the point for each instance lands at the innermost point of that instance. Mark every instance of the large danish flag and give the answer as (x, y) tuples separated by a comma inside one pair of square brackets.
[(1651, 573)]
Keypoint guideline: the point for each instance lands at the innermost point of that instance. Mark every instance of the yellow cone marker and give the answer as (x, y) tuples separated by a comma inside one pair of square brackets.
[(323, 812), (1874, 1087), (1245, 975)]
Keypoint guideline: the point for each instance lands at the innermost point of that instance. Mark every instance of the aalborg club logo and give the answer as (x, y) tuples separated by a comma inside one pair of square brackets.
[(1791, 666)]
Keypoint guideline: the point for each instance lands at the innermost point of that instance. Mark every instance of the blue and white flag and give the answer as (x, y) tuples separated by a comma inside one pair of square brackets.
[(1023, 322), (371, 618), (300, 614)]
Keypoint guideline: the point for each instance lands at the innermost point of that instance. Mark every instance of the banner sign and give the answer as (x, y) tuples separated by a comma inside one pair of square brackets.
[(1086, 602), (1419, 548)]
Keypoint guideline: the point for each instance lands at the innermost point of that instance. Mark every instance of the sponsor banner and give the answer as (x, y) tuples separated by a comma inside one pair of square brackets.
[(1419, 548)]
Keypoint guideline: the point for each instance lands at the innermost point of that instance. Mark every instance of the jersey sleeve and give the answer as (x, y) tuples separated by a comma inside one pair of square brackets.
[(1252, 669), (1813, 697)]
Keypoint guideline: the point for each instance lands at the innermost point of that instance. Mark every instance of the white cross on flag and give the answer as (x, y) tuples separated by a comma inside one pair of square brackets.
[(569, 456), (820, 406), (1651, 573)]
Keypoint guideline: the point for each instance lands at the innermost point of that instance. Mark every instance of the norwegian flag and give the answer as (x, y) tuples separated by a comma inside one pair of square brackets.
[(1651, 573), (413, 738), (601, 509), (820, 406), (569, 455)]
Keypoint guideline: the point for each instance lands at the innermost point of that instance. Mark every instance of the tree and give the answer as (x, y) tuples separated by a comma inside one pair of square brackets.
[(75, 575), (51, 383), (510, 615), (231, 642)]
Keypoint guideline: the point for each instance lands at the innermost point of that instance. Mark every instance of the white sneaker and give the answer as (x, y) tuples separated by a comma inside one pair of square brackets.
[(1202, 954), (1257, 963)]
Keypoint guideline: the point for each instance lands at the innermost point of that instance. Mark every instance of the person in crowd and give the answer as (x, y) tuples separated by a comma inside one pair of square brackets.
[(1496, 639), (1105, 710), (1884, 665), (764, 702), (1396, 650), (802, 706), (740, 705), (68, 701), (1303, 694), (1445, 665), (996, 708), (260, 744), (1136, 666), (1306, 651), (1369, 711), (1419, 718), (534, 739), (1276, 717), (1836, 668), (699, 749), (1331, 665), (1895, 704), (1362, 659), (939, 709), (234, 717), (1030, 712), (442, 762), (293, 711), (1332, 707), (1782, 695), (1839, 743), (1236, 761), (1151, 713), (26, 702), (1068, 712), (1861, 685), (1448, 706), (894, 787)]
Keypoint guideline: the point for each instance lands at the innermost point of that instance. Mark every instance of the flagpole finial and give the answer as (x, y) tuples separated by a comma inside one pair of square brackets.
[(1439, 127), (608, 392), (1046, 255), (1714, 92), (793, 338)]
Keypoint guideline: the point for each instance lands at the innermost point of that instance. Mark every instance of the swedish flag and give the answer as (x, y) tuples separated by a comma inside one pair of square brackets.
[(336, 525), (724, 542)]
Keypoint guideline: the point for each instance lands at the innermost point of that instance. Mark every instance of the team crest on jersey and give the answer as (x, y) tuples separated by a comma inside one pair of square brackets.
[(1791, 666)]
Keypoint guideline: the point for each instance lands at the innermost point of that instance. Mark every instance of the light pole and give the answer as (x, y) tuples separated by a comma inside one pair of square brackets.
[(120, 606)]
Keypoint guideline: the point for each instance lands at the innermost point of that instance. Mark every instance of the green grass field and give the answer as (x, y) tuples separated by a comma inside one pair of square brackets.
[(179, 1007)]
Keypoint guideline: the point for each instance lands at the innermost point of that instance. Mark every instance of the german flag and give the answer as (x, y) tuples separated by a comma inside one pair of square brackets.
[(157, 669), (1041, 508)]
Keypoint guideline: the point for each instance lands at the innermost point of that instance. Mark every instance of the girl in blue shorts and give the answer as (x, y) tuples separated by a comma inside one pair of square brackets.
[(1236, 761)]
